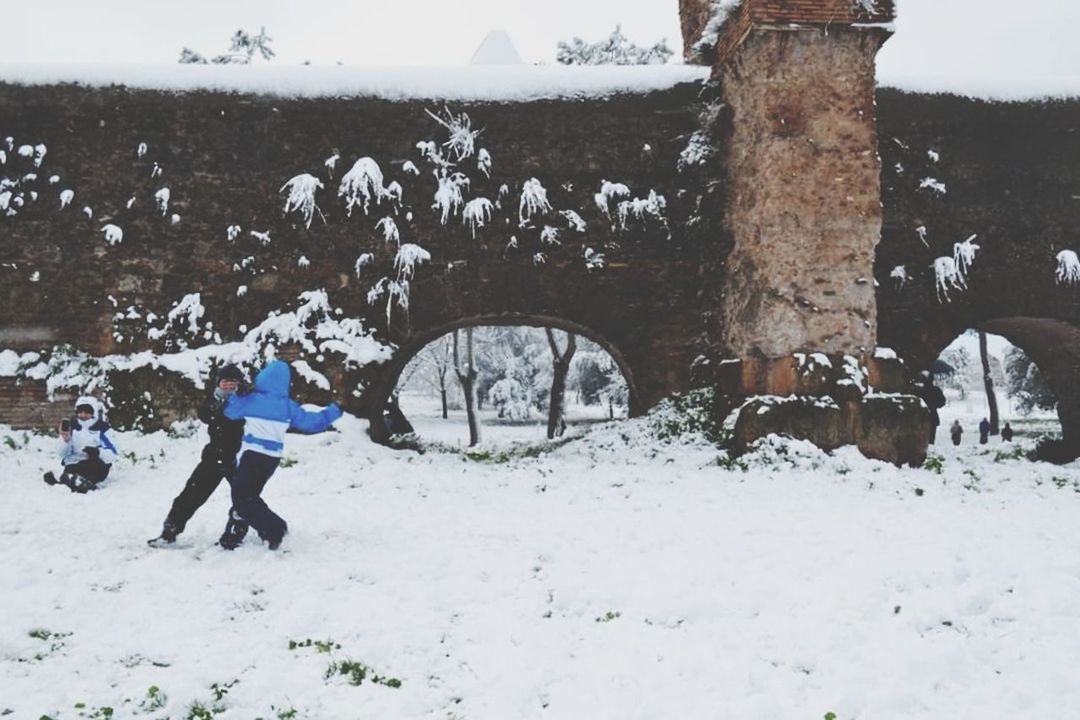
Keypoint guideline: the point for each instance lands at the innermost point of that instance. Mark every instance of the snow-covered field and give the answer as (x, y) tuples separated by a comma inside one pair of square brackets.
[(612, 577)]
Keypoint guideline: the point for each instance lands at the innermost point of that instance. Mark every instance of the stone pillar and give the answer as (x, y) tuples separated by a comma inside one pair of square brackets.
[(804, 190), (804, 207)]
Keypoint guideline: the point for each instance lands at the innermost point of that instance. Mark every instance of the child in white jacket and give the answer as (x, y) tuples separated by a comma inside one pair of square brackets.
[(87, 448)]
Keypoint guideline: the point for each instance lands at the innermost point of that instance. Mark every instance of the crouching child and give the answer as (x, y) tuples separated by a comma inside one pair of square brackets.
[(268, 412), (87, 448)]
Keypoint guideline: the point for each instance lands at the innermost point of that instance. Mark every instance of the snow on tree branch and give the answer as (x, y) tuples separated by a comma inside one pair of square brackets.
[(408, 257), (615, 50), (1068, 268), (66, 196), (533, 201), (933, 184), (476, 214), (161, 199)]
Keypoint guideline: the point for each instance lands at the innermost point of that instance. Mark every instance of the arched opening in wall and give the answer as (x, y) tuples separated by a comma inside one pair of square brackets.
[(505, 384), (996, 386)]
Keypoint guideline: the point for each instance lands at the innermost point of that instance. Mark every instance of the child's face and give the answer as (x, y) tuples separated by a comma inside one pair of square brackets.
[(84, 414), (228, 386)]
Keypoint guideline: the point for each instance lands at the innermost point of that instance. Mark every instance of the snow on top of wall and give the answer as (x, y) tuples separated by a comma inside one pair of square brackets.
[(498, 83), (1010, 88)]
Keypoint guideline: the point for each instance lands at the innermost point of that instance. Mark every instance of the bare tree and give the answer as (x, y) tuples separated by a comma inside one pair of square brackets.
[(988, 383), (437, 358), (466, 375), (560, 369)]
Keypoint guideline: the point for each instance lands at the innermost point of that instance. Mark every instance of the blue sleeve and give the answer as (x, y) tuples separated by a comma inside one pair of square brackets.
[(107, 449), (234, 407), (312, 421)]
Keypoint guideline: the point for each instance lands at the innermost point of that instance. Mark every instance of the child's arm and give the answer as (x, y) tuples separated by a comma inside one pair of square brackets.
[(312, 421), (107, 449)]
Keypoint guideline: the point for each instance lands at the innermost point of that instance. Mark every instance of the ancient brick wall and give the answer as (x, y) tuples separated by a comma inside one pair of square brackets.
[(25, 404)]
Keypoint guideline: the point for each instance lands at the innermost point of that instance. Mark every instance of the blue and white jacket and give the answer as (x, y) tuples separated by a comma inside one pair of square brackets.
[(94, 432), (268, 412)]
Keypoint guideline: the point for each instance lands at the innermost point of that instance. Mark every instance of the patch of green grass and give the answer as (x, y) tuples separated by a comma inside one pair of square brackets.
[(609, 616), (322, 646), (357, 672), (934, 463)]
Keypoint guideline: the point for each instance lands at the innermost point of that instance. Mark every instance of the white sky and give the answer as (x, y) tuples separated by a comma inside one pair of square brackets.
[(934, 37)]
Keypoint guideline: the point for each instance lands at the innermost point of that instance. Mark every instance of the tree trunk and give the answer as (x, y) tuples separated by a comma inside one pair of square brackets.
[(442, 392), (561, 368), (467, 377), (988, 383)]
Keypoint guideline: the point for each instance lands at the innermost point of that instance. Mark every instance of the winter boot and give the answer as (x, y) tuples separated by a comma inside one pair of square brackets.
[(235, 532), (50, 478), (167, 537)]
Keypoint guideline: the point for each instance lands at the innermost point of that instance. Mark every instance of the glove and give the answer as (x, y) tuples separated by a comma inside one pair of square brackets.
[(92, 452)]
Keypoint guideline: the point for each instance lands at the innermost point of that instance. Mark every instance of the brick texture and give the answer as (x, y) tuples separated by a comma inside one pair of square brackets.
[(25, 404)]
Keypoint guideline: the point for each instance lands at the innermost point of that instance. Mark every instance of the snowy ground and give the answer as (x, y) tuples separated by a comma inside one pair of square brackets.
[(612, 577)]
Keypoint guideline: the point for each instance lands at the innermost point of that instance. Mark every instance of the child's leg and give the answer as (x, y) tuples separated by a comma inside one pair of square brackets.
[(204, 480), (252, 473)]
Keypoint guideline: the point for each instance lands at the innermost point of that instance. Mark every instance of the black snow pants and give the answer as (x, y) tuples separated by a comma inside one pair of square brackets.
[(251, 476), (204, 480), (85, 474)]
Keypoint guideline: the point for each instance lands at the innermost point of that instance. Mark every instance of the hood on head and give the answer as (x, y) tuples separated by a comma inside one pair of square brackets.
[(274, 379), (92, 402)]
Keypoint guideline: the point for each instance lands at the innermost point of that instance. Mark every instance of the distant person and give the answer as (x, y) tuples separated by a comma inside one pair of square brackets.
[(217, 463), (984, 431), (87, 449), (956, 432), (933, 398), (1007, 433), (268, 412)]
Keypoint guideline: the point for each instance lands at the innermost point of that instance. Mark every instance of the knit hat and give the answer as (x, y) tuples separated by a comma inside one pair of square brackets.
[(230, 372)]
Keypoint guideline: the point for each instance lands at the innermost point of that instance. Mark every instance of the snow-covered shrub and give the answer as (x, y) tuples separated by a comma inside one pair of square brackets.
[(483, 162), (389, 230), (696, 413), (511, 399), (640, 209), (573, 220), (113, 233), (462, 140), (408, 257), (964, 255), (933, 184), (697, 151), (533, 201), (161, 199), (363, 261), (946, 276), (899, 274), (610, 192), (448, 197), (302, 189), (476, 214), (616, 49), (362, 184), (1068, 268)]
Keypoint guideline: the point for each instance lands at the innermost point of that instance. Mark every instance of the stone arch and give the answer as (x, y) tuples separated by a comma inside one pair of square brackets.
[(382, 385), (1053, 345)]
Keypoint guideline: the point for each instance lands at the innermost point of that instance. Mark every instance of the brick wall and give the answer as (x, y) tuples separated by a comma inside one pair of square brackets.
[(25, 404)]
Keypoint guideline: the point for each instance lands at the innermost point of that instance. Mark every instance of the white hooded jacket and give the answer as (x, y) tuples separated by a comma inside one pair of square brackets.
[(94, 432)]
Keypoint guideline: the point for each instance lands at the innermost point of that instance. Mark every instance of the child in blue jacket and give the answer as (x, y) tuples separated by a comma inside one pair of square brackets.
[(268, 412)]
